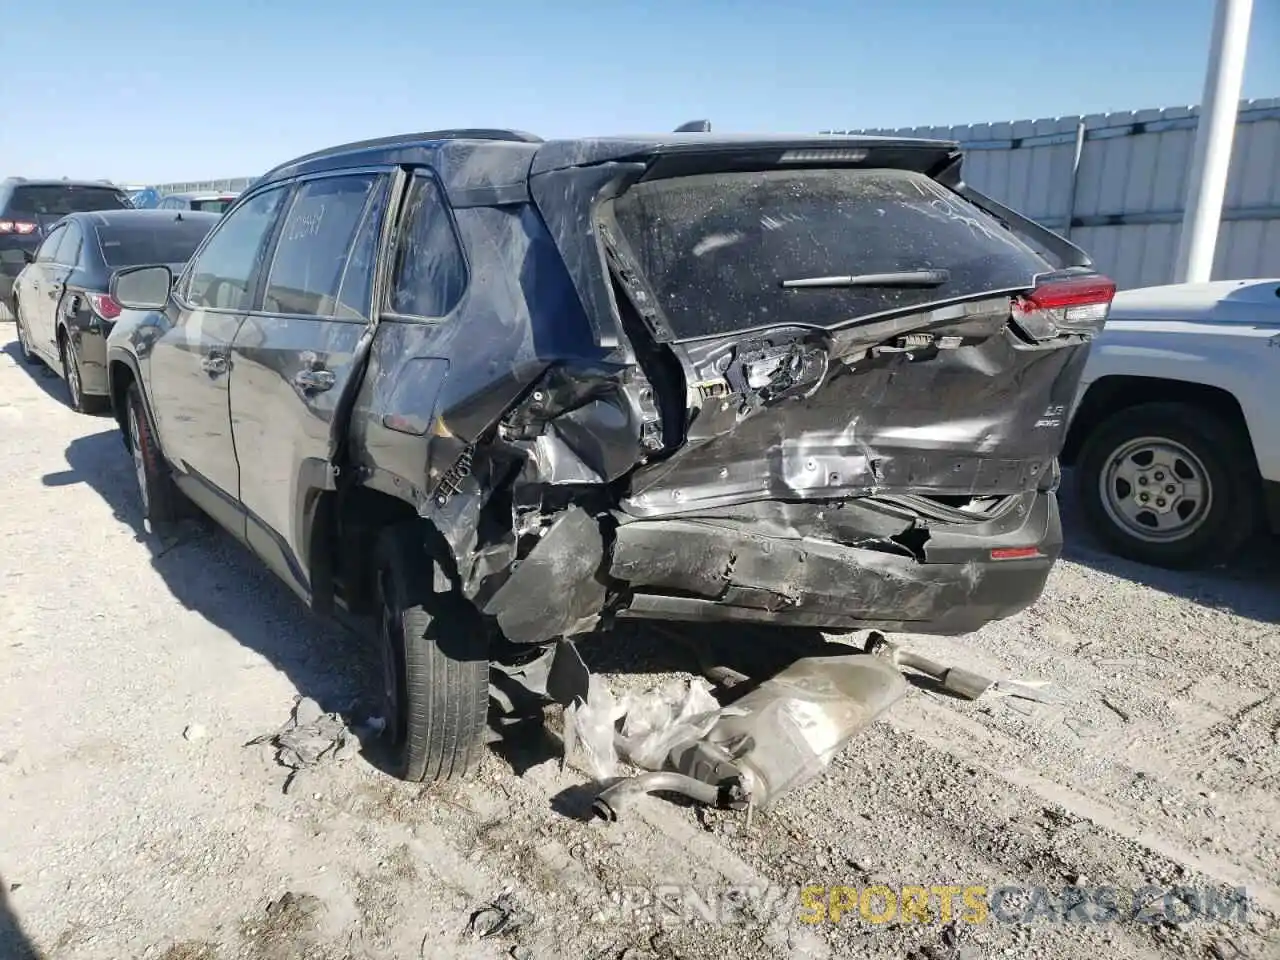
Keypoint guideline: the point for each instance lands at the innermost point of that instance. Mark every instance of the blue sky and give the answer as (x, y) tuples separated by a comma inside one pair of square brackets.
[(145, 91)]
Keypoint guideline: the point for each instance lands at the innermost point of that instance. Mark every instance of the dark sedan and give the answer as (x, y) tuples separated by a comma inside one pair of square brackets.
[(64, 309)]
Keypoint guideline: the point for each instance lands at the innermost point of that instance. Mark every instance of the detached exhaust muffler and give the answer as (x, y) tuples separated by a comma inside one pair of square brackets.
[(775, 738)]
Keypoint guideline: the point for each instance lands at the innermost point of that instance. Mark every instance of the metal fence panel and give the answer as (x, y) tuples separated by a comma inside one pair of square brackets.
[(1123, 200)]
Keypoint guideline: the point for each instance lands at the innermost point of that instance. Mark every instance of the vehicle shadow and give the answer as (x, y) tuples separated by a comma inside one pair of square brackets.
[(14, 943), (211, 574), (1248, 586), (45, 378)]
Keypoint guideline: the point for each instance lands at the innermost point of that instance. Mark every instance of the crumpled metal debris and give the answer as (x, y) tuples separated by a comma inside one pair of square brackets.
[(311, 736), (504, 915)]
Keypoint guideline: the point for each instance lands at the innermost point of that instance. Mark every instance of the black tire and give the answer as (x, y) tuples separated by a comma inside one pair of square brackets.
[(24, 338), (160, 498), (77, 399), (1229, 512), (435, 653)]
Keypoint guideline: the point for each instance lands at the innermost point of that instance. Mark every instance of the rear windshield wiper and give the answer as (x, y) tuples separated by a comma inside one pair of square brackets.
[(904, 278)]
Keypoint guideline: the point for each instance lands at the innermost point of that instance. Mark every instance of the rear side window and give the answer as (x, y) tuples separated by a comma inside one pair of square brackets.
[(69, 250), (715, 248), (57, 200), (165, 241), (49, 249), (430, 272), (312, 251), (222, 272)]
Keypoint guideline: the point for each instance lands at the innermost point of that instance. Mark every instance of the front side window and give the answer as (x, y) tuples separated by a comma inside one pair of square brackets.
[(49, 249), (314, 245), (223, 272), (430, 271)]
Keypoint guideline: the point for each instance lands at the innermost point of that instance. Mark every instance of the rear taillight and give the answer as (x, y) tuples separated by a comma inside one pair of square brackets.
[(104, 306), (1068, 306), (20, 227)]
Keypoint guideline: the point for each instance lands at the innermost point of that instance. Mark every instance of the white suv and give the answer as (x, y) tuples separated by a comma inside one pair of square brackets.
[(1175, 436)]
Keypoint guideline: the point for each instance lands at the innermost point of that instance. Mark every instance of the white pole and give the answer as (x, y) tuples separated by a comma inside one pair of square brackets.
[(1207, 178)]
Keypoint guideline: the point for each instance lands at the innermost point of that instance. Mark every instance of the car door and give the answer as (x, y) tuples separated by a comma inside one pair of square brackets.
[(190, 362), (54, 284), (33, 300), (293, 359)]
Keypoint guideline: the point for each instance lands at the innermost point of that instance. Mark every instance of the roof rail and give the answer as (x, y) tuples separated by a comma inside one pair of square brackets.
[(694, 126), (481, 133), (459, 133)]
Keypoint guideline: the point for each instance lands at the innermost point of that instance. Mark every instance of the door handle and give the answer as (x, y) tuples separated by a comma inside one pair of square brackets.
[(314, 380), (214, 364)]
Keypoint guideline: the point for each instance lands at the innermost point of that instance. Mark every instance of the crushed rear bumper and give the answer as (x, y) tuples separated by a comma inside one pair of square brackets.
[(790, 564)]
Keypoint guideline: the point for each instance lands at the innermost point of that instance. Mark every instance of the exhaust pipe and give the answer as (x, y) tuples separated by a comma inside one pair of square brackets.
[(775, 738)]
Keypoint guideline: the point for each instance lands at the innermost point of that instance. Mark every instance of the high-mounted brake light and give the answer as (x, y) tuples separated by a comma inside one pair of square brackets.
[(1068, 306), (105, 306), (20, 227), (824, 155)]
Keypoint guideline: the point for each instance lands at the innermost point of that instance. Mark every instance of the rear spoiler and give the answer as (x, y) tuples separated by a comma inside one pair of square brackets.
[(694, 126), (1055, 243)]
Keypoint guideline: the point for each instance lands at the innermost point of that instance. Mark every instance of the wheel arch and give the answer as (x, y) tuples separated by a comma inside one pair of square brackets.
[(342, 533), (1110, 394), (122, 370)]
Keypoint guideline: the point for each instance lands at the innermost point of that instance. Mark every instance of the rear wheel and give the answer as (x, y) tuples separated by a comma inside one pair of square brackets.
[(156, 489), (435, 657), (79, 401), (1169, 484), (24, 338)]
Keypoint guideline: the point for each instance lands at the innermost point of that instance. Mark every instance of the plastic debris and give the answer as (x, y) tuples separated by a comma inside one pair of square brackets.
[(653, 724), (659, 721), (589, 730), (502, 916), (310, 736)]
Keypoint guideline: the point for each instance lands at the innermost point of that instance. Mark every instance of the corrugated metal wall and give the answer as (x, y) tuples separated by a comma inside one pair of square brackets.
[(1123, 200)]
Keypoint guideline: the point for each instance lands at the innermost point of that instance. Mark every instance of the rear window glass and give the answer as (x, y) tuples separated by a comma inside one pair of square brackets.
[(211, 206), (715, 248), (57, 200), (168, 241)]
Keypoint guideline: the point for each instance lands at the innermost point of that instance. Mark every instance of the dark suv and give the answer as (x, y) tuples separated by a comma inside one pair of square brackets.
[(495, 391), (29, 208)]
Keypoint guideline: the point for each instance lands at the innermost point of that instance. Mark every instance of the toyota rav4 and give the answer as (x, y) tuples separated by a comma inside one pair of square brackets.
[(494, 392)]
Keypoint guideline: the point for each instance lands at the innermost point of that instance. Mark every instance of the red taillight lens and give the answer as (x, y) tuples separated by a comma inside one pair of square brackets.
[(104, 306), (1015, 553), (21, 227), (1071, 305)]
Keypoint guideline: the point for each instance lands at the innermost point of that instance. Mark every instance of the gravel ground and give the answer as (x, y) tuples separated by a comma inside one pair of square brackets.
[(135, 821)]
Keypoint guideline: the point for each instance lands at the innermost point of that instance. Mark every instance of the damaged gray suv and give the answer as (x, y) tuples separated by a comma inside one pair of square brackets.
[(490, 392)]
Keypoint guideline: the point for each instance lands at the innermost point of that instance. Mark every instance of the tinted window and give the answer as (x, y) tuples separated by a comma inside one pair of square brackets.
[(430, 272), (357, 282), (212, 206), (69, 250), (57, 200), (49, 249), (716, 247), (311, 253), (157, 240), (221, 275)]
